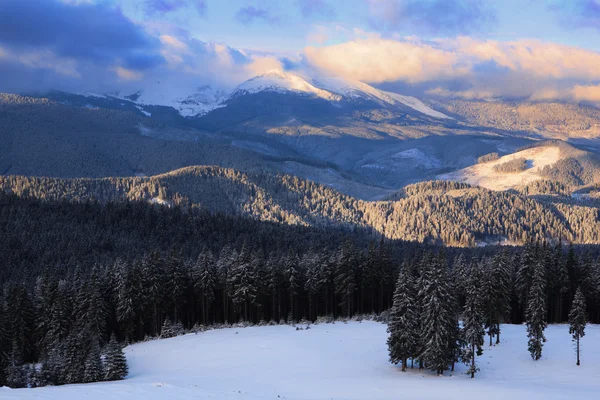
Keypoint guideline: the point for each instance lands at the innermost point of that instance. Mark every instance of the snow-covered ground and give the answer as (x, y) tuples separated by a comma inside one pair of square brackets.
[(335, 361), (485, 176)]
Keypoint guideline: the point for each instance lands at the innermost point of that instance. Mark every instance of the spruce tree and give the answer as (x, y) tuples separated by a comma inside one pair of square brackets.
[(439, 320), (536, 312), (473, 323), (204, 276), (93, 369), (578, 319), (115, 363), (402, 326)]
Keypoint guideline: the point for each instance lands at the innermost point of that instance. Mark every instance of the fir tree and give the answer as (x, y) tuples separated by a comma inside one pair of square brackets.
[(473, 331), (402, 326), (93, 369), (204, 276), (536, 312), (439, 320), (115, 363), (578, 319)]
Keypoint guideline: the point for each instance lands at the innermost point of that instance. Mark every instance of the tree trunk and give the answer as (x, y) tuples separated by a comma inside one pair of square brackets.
[(472, 360), (404, 364), (578, 363)]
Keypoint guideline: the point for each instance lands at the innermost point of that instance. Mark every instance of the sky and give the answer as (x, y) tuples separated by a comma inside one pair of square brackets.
[(479, 49)]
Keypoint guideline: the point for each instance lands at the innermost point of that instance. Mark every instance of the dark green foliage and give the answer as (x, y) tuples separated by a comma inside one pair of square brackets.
[(439, 318), (473, 321), (512, 166), (578, 319), (402, 326), (536, 312), (115, 364)]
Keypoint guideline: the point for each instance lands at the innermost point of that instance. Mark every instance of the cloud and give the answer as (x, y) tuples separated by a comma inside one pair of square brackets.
[(465, 67), (248, 15), (316, 8), (167, 6), (87, 32), (577, 13), (438, 17)]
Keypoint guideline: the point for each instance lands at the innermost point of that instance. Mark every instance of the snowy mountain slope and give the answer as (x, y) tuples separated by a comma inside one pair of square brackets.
[(335, 361), (358, 89), (331, 89), (189, 104), (485, 175), (281, 82)]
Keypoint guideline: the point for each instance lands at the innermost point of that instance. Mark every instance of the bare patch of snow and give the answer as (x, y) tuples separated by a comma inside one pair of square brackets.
[(484, 175)]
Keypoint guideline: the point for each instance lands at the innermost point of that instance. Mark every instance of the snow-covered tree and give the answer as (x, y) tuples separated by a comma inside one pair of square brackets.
[(473, 322), (115, 363), (439, 319), (578, 319), (93, 369), (402, 326), (536, 312), (204, 275)]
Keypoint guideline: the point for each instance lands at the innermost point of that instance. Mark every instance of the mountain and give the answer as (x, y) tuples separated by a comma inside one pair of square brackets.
[(356, 138), (434, 212), (334, 90)]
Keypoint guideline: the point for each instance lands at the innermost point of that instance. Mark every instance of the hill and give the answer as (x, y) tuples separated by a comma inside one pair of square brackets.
[(444, 212), (554, 160)]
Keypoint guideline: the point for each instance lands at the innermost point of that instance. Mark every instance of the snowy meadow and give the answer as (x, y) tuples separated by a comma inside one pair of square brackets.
[(335, 361)]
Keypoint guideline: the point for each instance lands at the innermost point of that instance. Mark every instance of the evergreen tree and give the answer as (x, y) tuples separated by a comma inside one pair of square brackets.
[(473, 323), (345, 282), (93, 369), (439, 321), (578, 319), (536, 312), (115, 363), (402, 326), (205, 281), (16, 376)]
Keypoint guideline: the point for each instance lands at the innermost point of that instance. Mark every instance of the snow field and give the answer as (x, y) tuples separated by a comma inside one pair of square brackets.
[(335, 361)]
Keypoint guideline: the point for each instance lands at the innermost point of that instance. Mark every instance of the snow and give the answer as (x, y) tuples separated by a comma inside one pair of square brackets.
[(418, 158), (335, 361), (279, 81), (330, 89), (191, 102), (146, 113), (188, 103), (485, 176)]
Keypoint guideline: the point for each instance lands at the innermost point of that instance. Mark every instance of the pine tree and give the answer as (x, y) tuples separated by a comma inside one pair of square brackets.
[(93, 369), (115, 363), (241, 282), (16, 376), (402, 326), (473, 321), (345, 279), (204, 275), (536, 312), (439, 318), (578, 319)]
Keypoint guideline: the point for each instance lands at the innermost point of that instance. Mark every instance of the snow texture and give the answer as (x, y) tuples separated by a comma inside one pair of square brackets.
[(484, 175), (335, 361)]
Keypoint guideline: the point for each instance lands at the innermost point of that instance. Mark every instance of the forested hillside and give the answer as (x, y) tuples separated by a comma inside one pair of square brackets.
[(73, 274), (435, 212)]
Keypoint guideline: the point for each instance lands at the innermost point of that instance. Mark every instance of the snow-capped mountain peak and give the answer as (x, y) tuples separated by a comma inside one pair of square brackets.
[(331, 89), (280, 81)]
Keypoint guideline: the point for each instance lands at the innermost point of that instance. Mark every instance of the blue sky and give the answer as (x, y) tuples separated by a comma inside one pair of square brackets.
[(537, 49)]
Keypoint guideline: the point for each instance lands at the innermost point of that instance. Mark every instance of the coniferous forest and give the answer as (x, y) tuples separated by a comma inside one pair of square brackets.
[(82, 279)]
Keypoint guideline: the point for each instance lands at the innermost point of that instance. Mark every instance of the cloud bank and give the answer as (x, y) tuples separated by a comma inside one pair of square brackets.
[(86, 46)]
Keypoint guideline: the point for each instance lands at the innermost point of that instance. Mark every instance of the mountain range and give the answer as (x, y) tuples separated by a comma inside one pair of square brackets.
[(364, 144)]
